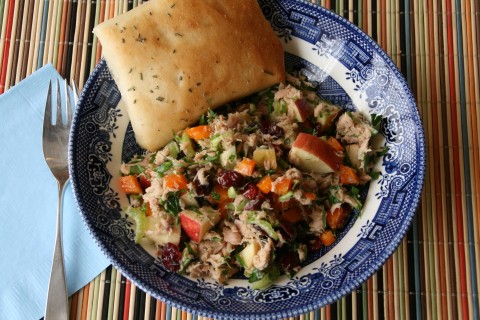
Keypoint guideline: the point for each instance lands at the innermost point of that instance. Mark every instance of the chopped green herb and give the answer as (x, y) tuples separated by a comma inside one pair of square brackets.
[(376, 120), (164, 167), (152, 158), (211, 115), (332, 195), (136, 169), (213, 158), (256, 275), (189, 248), (203, 120), (240, 261), (172, 204), (215, 196), (354, 191), (375, 175)]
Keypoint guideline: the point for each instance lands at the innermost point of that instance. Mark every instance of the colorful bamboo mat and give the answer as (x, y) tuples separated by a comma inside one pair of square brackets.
[(435, 43)]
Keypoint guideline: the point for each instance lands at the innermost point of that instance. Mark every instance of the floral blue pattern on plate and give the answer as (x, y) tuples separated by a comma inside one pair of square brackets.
[(351, 70)]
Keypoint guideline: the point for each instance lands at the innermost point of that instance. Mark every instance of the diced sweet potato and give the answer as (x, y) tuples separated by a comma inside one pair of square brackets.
[(327, 238), (245, 167), (337, 218), (175, 181), (265, 185), (130, 185), (199, 132), (348, 176)]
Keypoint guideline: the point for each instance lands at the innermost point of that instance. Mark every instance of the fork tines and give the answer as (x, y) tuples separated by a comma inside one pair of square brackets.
[(59, 119)]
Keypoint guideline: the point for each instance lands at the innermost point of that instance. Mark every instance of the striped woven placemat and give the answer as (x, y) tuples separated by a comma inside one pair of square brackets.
[(435, 43)]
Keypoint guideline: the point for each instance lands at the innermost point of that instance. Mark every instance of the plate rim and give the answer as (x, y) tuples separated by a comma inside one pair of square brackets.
[(311, 305)]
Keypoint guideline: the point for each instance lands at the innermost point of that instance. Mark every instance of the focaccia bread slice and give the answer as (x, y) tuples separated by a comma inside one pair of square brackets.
[(172, 60)]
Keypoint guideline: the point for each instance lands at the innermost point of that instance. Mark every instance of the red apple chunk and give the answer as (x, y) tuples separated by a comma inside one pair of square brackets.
[(197, 223), (313, 154), (301, 110)]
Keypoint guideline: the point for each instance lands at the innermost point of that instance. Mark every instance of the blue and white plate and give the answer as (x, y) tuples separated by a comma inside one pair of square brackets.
[(351, 70)]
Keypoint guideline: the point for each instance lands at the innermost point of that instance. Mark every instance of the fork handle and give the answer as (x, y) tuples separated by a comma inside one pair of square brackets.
[(57, 296)]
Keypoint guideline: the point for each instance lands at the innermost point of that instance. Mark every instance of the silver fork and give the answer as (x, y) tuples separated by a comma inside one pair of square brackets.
[(55, 146)]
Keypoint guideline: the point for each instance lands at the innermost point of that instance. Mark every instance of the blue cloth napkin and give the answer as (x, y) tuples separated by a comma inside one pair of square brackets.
[(28, 206)]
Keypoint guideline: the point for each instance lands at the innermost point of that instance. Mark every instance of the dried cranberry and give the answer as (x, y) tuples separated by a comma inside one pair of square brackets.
[(288, 230), (314, 245), (171, 257), (183, 240), (144, 182), (282, 205), (278, 150), (318, 130), (289, 261), (272, 129), (265, 126), (229, 178), (203, 189), (251, 191), (256, 203), (276, 131)]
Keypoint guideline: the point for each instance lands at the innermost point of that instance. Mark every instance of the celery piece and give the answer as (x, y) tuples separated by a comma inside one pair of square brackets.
[(228, 157), (267, 227), (232, 193), (263, 224), (215, 141), (286, 196), (140, 220), (187, 146), (263, 283), (173, 149)]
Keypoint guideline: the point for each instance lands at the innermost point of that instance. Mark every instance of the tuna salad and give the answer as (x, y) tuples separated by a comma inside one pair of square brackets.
[(254, 190)]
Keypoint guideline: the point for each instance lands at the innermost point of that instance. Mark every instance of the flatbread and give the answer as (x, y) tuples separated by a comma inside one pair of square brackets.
[(172, 60)]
